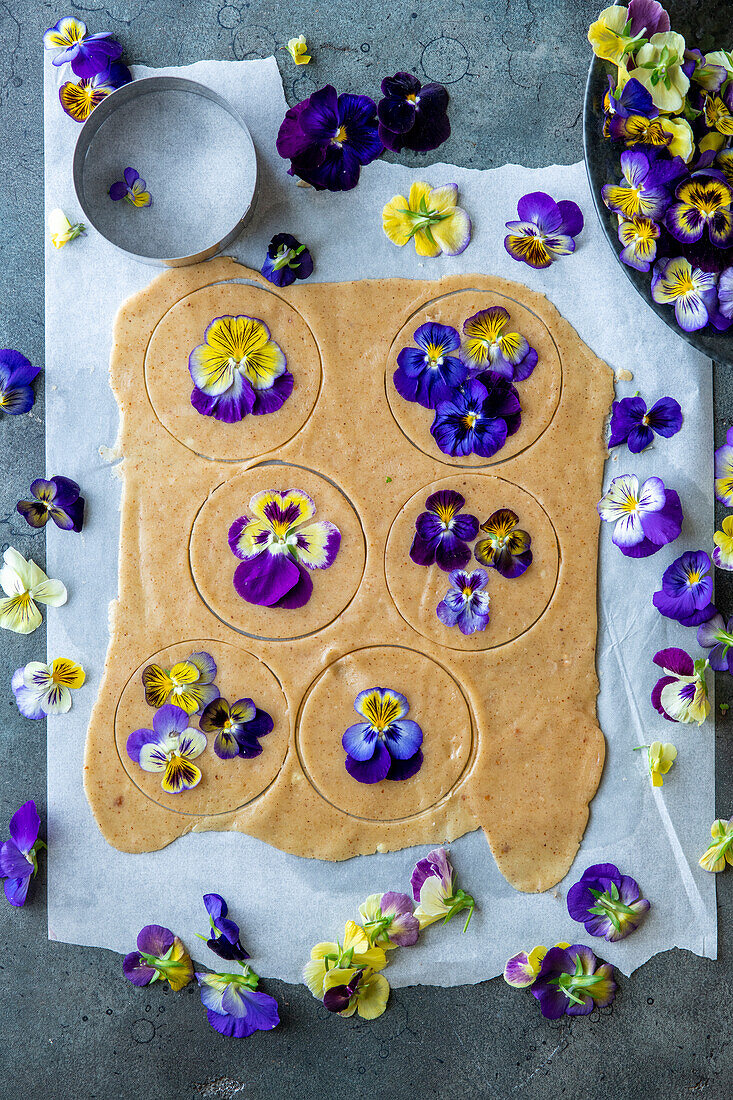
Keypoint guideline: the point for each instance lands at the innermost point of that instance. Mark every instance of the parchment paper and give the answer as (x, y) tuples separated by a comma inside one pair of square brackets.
[(98, 896)]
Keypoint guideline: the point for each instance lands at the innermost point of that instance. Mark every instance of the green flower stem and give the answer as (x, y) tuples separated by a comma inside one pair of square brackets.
[(612, 907), (457, 903), (569, 983), (286, 256)]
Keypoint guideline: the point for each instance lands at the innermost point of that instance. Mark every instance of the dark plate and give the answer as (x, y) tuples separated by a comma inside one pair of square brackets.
[(602, 164)]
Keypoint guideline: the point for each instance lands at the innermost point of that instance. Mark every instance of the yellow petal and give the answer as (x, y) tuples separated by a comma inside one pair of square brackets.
[(371, 997), (19, 614), (396, 221), (314, 973), (68, 673), (426, 245), (419, 191)]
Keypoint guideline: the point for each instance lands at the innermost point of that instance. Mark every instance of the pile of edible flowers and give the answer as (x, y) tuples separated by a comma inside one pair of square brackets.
[(669, 109), (347, 974)]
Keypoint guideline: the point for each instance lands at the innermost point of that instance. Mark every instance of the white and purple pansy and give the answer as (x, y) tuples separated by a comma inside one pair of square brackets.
[(687, 589), (430, 373), (169, 747), (545, 231), (442, 532), (436, 892), (389, 921), (465, 604), (690, 290), (681, 695), (645, 518), (278, 548), (724, 471), (717, 636), (386, 744)]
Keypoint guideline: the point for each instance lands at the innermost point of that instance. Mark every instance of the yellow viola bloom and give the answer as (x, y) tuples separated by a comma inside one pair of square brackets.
[(430, 218), (354, 953), (659, 69), (662, 756), (61, 229), (25, 585), (298, 50), (607, 35), (720, 852), (723, 552), (683, 141)]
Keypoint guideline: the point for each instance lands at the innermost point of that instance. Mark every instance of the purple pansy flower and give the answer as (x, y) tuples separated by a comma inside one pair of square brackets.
[(703, 201), (338, 997), (238, 727), (57, 499), (571, 982), (328, 138), (724, 471), (132, 188), (632, 99), (479, 417), (412, 115), (233, 1005), (717, 636), (545, 231), (16, 375), (160, 956), (434, 888), (18, 856), (608, 903), (642, 191), (389, 921), (691, 291), (645, 519), (632, 424), (286, 260), (687, 589), (681, 695), (79, 98), (429, 374), (224, 936), (442, 532), (725, 293), (386, 745), (465, 605), (88, 54), (278, 548)]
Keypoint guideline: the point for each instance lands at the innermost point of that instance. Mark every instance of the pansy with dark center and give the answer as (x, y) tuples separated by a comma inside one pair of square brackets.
[(645, 517), (690, 289), (88, 54), (506, 547), (442, 532), (607, 903), (465, 604), (545, 231), (42, 689), (223, 938), (79, 98), (234, 1007), (328, 138), (639, 129), (717, 636), (279, 547), (717, 112), (702, 202), (643, 190), (160, 956), (188, 684), (572, 982), (633, 424), (479, 417), (132, 188), (681, 695), (238, 727), (639, 237), (485, 344), (412, 115), (169, 747), (429, 373), (19, 854), (16, 375), (238, 369), (57, 499), (286, 260), (386, 744), (687, 589)]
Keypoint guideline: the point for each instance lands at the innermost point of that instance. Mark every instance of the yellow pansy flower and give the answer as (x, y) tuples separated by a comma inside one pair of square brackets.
[(662, 756), (354, 953), (720, 852), (430, 218), (61, 229), (298, 50)]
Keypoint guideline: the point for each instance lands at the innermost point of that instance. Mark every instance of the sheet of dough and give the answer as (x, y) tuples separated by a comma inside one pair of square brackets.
[(511, 737)]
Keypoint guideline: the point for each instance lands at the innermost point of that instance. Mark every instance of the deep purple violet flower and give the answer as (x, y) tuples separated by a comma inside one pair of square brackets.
[(429, 373), (687, 589), (478, 419), (465, 604), (338, 997), (16, 375), (233, 1005), (18, 856), (571, 982), (286, 260), (57, 499), (328, 138), (717, 636), (160, 956), (442, 532), (238, 727), (608, 903), (633, 99), (633, 425), (224, 938), (412, 115), (386, 744)]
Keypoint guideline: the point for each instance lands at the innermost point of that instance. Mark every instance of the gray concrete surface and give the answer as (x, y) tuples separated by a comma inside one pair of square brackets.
[(70, 1025)]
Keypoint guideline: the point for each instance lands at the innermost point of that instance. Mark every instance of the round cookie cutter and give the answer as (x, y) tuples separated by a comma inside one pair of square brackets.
[(185, 141)]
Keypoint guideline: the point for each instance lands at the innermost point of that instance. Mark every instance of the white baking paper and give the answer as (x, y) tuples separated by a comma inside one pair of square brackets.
[(99, 896)]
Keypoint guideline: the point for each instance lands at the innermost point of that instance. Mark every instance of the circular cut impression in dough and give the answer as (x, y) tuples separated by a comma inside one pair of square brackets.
[(538, 395), (213, 563), (515, 604), (436, 703), (169, 382), (225, 785)]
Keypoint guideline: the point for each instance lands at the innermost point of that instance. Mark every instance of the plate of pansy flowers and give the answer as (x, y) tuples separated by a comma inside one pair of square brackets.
[(658, 135)]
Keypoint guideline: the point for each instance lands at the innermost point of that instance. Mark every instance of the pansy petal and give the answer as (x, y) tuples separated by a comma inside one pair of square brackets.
[(317, 544)]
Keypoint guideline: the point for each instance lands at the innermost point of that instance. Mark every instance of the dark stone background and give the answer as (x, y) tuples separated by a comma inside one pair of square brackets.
[(70, 1025)]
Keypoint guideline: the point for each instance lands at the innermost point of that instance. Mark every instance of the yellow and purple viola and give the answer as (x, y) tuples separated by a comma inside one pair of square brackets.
[(188, 684), (607, 903), (716, 635), (16, 375), (430, 373), (170, 748), (431, 218), (389, 920), (160, 956), (687, 589), (681, 695), (545, 230), (79, 98), (703, 202), (279, 547), (386, 744), (645, 518), (724, 471), (57, 499), (506, 547), (238, 369), (349, 969), (131, 189), (465, 604), (689, 289), (723, 539), (238, 727), (443, 531), (643, 190), (41, 689), (522, 969), (572, 981), (719, 853), (88, 54), (487, 345)]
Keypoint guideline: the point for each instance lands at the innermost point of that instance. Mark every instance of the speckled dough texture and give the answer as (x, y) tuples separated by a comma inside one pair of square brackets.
[(511, 740)]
